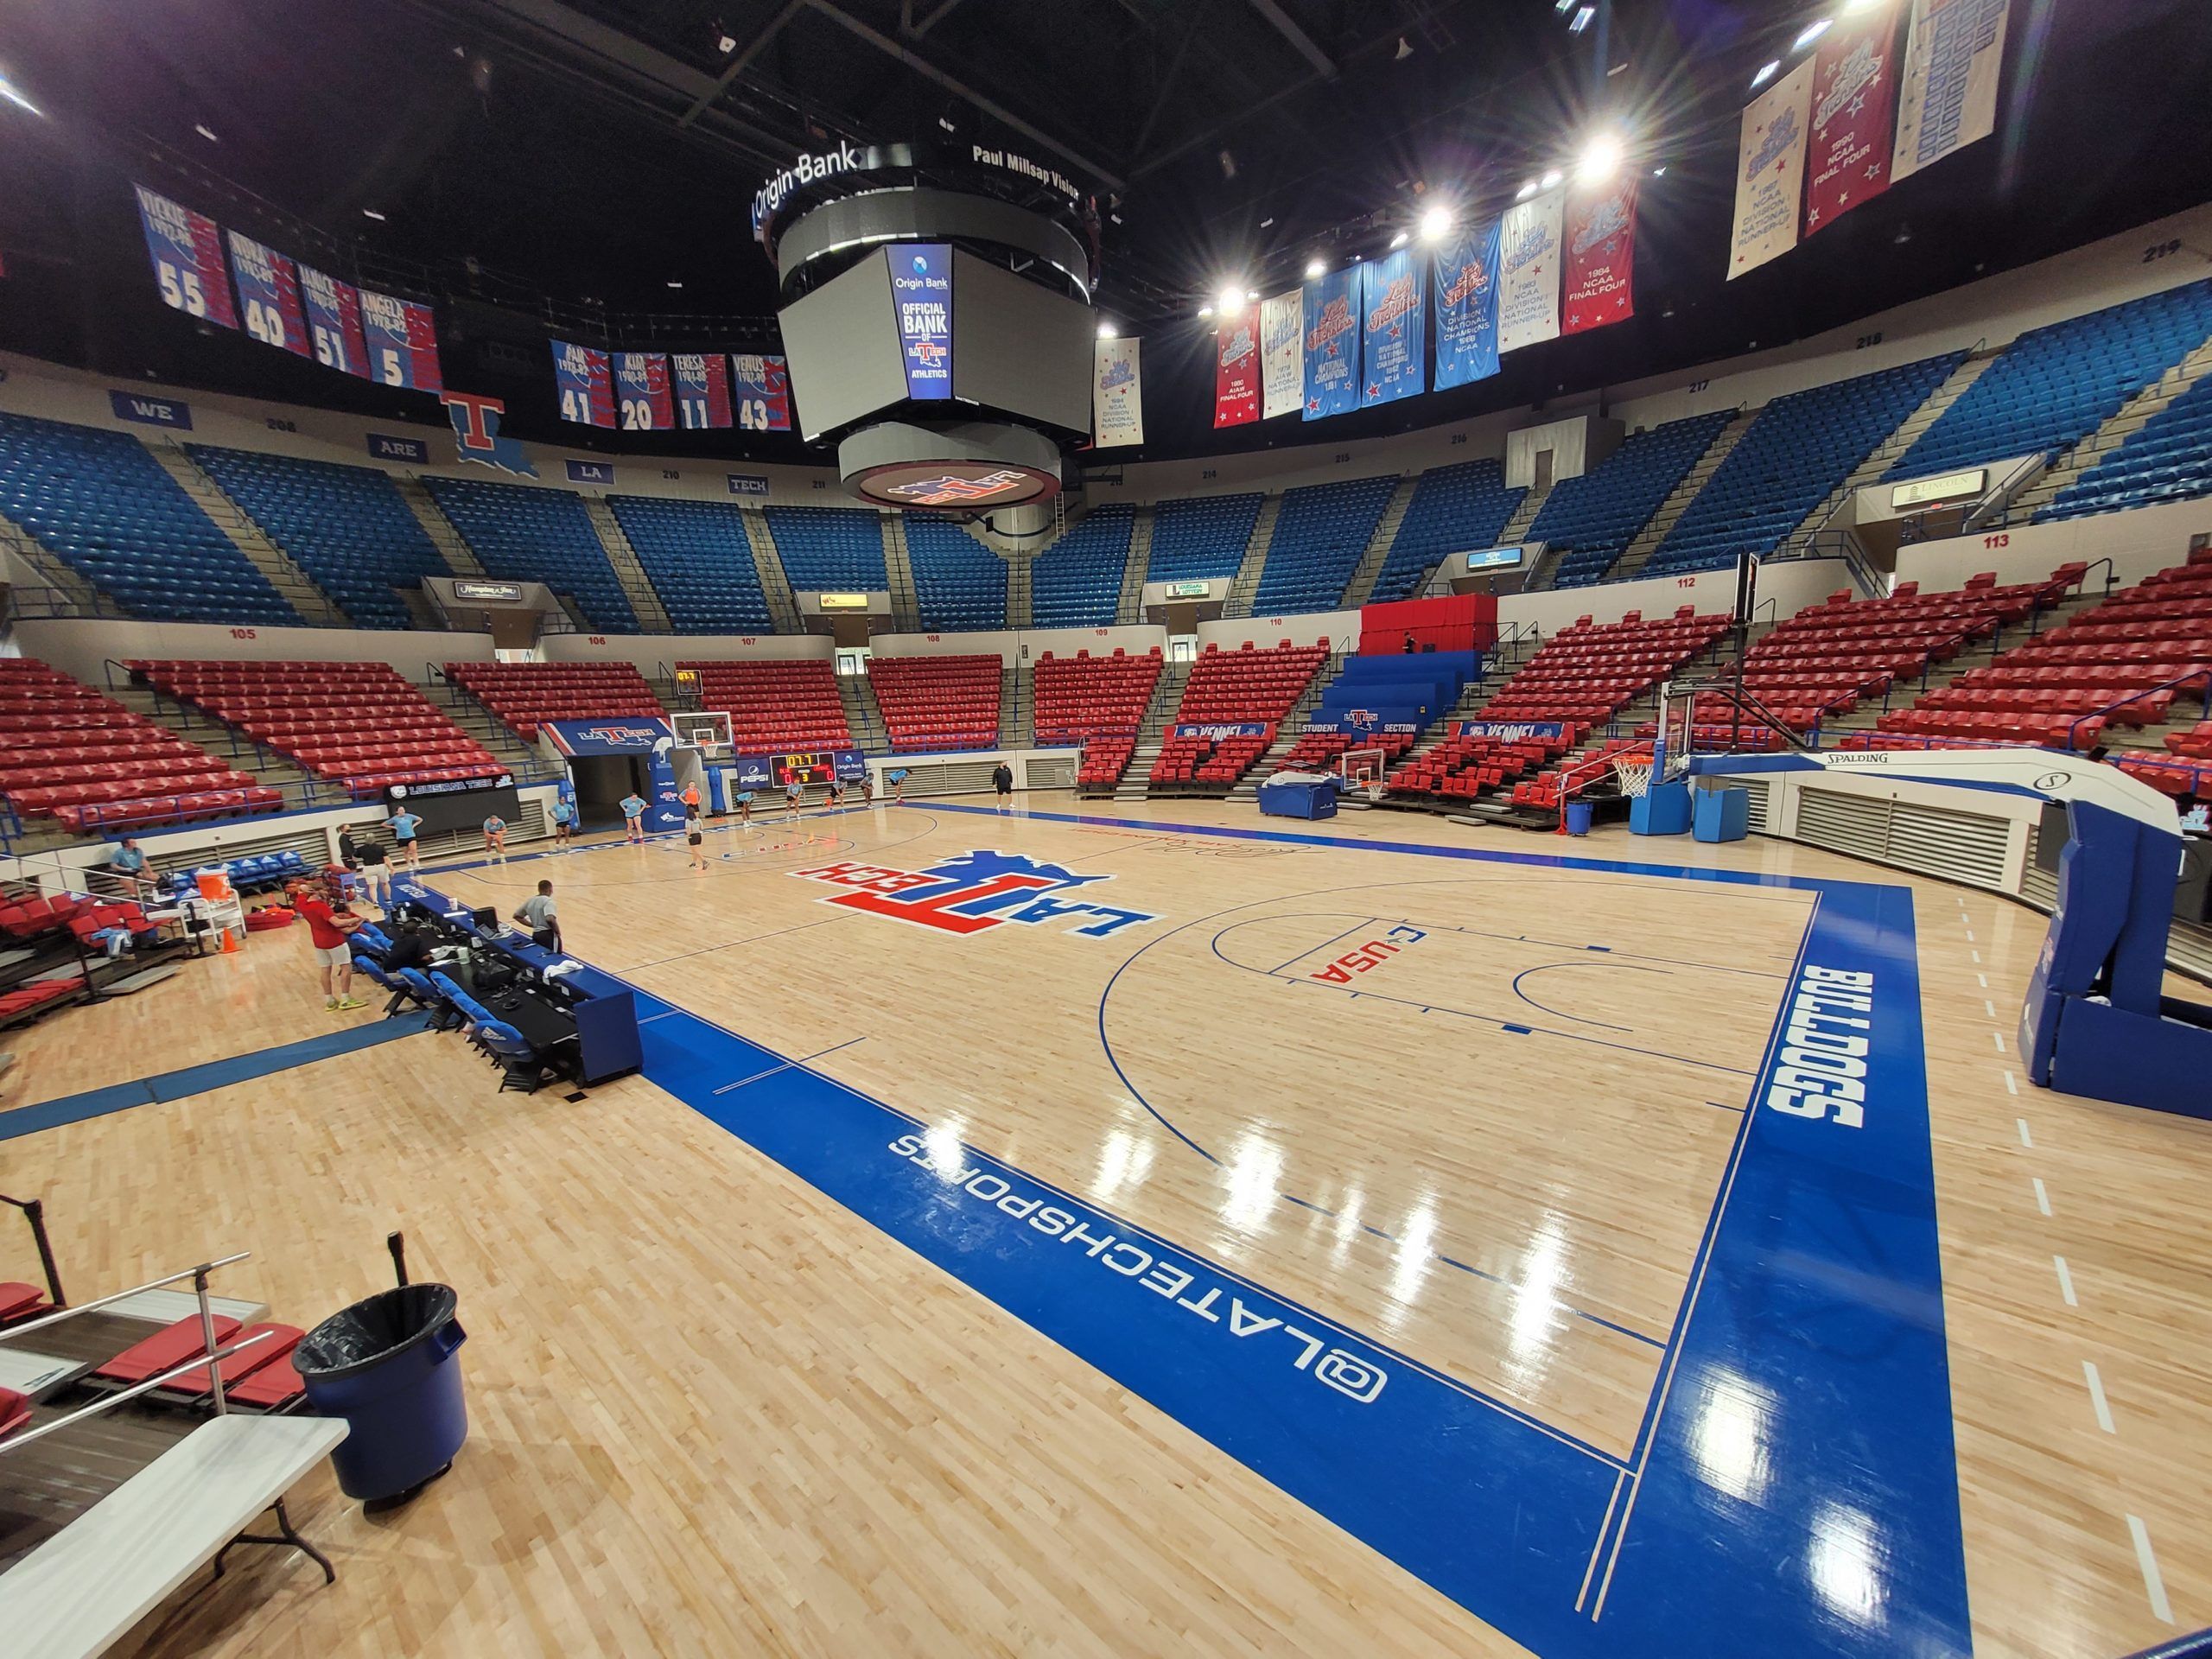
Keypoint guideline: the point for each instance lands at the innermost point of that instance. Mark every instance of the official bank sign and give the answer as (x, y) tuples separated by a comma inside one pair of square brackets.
[(975, 893)]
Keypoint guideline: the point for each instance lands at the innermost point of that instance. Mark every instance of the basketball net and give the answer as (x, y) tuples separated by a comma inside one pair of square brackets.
[(1634, 776)]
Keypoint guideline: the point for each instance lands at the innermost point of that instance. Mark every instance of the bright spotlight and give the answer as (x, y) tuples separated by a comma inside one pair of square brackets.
[(1106, 328), (1230, 301), (1551, 178), (1813, 32), (1435, 223), (1525, 191), (1582, 20), (8, 91), (1766, 74), (1399, 240), (1252, 294), (1316, 268), (1601, 159), (371, 212), (1658, 171), (1206, 311)]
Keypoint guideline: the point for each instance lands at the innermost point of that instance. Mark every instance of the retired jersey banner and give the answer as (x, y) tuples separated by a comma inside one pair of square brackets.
[(402, 339), (762, 387), (1332, 344), (1527, 277), (1947, 97), (1464, 286), (1282, 355), (641, 392), (1600, 255), (1116, 395), (1771, 171), (586, 379), (1237, 372), (1390, 311), (702, 390), (1854, 110), (187, 250), (269, 294), (334, 311)]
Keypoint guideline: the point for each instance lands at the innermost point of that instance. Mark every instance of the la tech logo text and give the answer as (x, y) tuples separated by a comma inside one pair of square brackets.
[(974, 894)]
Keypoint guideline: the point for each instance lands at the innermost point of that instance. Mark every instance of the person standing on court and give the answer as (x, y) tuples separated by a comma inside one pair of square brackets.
[(565, 821), (691, 795), (405, 823), (376, 872), (543, 918), (495, 839), (693, 836), (1002, 781), (333, 957), (633, 818)]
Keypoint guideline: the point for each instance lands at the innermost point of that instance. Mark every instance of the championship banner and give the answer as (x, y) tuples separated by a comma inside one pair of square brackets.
[(1117, 394), (269, 293), (1771, 171), (702, 390), (1600, 255), (334, 311), (1854, 107), (1331, 345), (921, 284), (763, 389), (1465, 285), (1527, 278), (1237, 372), (586, 380), (1391, 324), (641, 390), (1282, 355), (402, 340), (1946, 98), (187, 249)]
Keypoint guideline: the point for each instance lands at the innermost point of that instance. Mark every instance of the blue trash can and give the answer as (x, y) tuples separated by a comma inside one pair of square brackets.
[(386, 1366), (1578, 817)]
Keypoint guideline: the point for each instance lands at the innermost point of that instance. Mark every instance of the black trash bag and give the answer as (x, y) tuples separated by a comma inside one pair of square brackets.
[(373, 1330)]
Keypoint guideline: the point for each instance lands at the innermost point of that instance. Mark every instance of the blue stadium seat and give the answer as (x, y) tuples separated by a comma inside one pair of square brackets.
[(1789, 460), (2054, 385), (2168, 458), (1077, 581), (1200, 537), (1597, 514), (958, 582), (1320, 532), (347, 527), (838, 549), (99, 502), (522, 534), (695, 555), (1461, 509)]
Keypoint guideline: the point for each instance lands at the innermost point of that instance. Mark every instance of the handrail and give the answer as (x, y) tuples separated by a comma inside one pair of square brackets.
[(2174, 684), (35, 1212), (60, 1314), (16, 1442)]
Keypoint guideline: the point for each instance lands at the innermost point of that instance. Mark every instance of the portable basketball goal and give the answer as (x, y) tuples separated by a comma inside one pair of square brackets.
[(1362, 772), (705, 730)]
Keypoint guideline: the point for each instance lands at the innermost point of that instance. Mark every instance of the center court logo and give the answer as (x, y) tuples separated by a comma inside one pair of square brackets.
[(974, 894)]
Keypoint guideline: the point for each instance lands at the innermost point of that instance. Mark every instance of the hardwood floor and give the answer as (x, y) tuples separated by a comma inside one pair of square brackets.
[(715, 1411)]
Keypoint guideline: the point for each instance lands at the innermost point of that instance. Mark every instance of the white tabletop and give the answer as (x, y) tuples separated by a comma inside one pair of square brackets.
[(167, 1306), (36, 1375), (83, 1588)]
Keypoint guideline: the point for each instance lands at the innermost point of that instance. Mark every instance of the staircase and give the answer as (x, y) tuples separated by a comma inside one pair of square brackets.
[(1130, 606), (459, 558), (2132, 416), (1293, 727), (294, 584), (206, 733), (1516, 528), (1167, 693), (1799, 543), (1378, 545), (56, 572), (645, 603), (1017, 708), (479, 723), (1247, 582), (898, 570), (862, 717), (783, 606), (1647, 540), (1496, 671)]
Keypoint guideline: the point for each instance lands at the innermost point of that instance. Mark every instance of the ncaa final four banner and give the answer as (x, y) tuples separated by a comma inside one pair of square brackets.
[(1237, 372), (402, 339), (1116, 395), (1528, 280), (334, 311), (702, 390), (269, 294), (1390, 325), (641, 392), (1282, 355), (1465, 285), (187, 249), (1946, 98), (1332, 345), (1600, 255), (1771, 171), (1855, 107), (586, 380), (763, 390)]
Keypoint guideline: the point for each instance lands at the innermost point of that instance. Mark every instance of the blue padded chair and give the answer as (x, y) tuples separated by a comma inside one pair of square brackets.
[(420, 987), (520, 1065)]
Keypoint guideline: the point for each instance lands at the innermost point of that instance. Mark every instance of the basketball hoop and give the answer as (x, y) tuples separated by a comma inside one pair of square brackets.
[(1633, 776), (1361, 769)]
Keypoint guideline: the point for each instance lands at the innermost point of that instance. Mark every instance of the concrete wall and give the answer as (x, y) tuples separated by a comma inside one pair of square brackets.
[(2139, 543), (82, 645), (1791, 584), (649, 651), (1340, 628)]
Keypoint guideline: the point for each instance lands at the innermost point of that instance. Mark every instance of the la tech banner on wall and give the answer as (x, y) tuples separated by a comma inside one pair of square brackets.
[(1601, 255), (1466, 284), (1528, 306), (1855, 107), (1116, 395), (1237, 372), (1282, 354), (1771, 171)]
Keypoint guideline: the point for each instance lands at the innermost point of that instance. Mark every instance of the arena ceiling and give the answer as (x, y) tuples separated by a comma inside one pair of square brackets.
[(607, 150)]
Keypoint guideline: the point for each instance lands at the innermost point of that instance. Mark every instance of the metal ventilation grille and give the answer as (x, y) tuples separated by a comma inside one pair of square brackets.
[(1053, 772), (313, 845), (1755, 788), (1930, 840), (2038, 887), (529, 824)]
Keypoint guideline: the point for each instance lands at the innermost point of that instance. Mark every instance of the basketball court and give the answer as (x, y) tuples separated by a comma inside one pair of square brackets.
[(1018, 1198)]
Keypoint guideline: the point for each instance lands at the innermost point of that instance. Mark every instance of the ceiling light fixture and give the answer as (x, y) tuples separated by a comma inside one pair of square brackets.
[(1551, 178), (1316, 268), (1206, 311), (1230, 301), (1601, 159), (676, 284), (204, 133), (1766, 74), (8, 91), (1658, 171), (1525, 191), (1582, 20), (1812, 32), (725, 44), (1399, 240), (1435, 223), (371, 212), (1106, 328)]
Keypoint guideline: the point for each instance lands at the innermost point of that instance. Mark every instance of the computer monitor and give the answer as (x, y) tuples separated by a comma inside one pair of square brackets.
[(486, 919)]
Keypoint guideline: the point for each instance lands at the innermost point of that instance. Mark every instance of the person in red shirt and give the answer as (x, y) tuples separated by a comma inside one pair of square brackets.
[(326, 931)]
